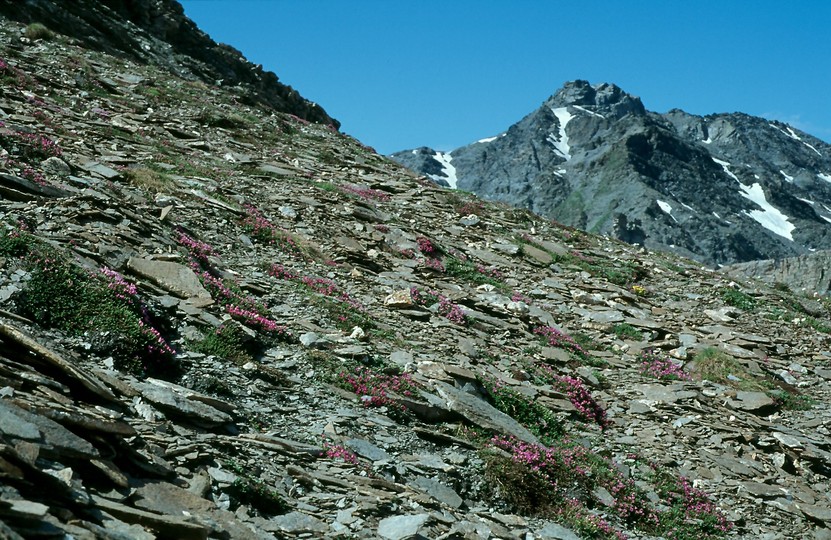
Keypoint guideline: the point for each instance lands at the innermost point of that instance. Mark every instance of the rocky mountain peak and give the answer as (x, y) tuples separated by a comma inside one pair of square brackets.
[(721, 188), (604, 98)]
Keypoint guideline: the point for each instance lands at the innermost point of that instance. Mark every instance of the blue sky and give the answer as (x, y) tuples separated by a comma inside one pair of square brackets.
[(443, 73)]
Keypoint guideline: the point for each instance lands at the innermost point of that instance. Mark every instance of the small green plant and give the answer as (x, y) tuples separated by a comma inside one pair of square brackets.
[(38, 31), (101, 306), (819, 326), (627, 331), (717, 366), (537, 418), (737, 299), (149, 179), (472, 273), (17, 242), (253, 492), (228, 341), (792, 400)]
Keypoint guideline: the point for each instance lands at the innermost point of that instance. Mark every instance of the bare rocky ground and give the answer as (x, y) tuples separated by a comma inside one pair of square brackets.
[(358, 353)]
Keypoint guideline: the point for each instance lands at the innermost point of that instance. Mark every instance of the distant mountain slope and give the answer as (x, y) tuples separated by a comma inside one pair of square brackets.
[(722, 188)]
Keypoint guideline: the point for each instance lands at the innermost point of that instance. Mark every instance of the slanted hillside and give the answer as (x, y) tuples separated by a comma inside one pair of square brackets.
[(218, 320), (721, 189)]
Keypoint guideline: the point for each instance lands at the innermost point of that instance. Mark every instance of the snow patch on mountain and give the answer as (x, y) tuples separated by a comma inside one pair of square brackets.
[(592, 113), (667, 208), (826, 177), (769, 216), (788, 178), (448, 170), (726, 166), (488, 139), (561, 145)]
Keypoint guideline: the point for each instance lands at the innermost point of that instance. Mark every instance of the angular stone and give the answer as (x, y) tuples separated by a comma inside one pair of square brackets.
[(482, 413), (401, 527), (399, 299), (367, 449), (175, 278), (166, 498), (54, 438), (764, 491), (554, 531), (74, 374), (537, 255), (168, 526), (438, 491), (752, 401), (816, 512), (298, 522), (178, 405)]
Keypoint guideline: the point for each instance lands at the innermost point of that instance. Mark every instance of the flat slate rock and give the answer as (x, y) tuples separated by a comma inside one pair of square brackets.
[(171, 276), (482, 413), (401, 527)]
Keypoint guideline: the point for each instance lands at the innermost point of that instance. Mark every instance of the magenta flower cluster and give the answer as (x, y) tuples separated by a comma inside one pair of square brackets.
[(337, 451), (654, 364), (581, 398), (561, 340), (490, 272), (324, 286), (29, 145), (568, 465), (198, 250), (365, 193), (426, 246), (696, 504), (263, 230), (377, 389), (446, 308), (434, 264), (126, 292), (256, 320), (238, 305)]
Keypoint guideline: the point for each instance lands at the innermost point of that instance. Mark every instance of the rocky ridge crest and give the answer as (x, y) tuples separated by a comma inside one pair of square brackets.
[(157, 32), (342, 349)]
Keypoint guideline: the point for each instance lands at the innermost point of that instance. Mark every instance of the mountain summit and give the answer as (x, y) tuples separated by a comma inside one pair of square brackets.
[(721, 188)]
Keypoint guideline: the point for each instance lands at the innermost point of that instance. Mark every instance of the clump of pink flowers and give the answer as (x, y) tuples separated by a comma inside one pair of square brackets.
[(320, 285), (426, 246), (446, 308), (365, 193), (581, 398), (225, 292), (434, 264), (377, 389), (126, 292), (338, 451), (696, 504), (261, 229), (30, 146), (654, 364), (559, 339)]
